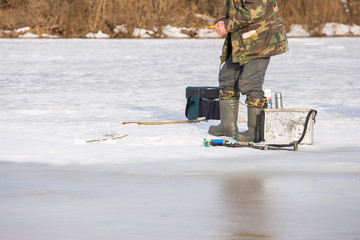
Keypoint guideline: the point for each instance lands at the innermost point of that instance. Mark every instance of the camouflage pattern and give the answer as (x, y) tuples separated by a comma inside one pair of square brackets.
[(251, 102), (225, 94), (255, 30), (257, 102)]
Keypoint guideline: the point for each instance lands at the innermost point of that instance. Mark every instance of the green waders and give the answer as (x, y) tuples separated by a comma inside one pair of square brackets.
[(247, 80), (253, 123), (228, 114)]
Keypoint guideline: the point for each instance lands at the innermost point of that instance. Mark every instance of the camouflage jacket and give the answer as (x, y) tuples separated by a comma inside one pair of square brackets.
[(255, 30)]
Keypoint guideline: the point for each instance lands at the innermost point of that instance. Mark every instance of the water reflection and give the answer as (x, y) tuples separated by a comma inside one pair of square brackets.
[(247, 207)]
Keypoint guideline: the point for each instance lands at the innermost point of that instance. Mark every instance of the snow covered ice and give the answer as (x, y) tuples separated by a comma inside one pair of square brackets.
[(159, 182)]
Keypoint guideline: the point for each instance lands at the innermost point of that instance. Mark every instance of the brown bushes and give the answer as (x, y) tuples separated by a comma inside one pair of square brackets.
[(312, 13), (75, 18), (354, 10)]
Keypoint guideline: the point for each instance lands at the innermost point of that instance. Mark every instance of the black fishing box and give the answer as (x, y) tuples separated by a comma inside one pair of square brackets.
[(202, 102)]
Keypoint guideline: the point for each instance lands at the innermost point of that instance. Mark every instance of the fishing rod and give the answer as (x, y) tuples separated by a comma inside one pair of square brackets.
[(104, 139), (207, 27), (162, 123)]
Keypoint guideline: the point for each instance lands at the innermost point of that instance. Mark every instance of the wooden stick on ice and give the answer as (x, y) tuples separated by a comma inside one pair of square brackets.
[(104, 139), (162, 123)]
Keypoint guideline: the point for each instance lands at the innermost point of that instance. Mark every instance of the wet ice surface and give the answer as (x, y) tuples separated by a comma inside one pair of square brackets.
[(87, 203), (160, 182)]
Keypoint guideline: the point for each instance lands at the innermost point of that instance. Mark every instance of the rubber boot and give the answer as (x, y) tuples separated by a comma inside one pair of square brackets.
[(229, 109), (253, 132)]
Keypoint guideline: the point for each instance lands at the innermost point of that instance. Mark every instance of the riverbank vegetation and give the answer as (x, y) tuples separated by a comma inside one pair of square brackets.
[(76, 18)]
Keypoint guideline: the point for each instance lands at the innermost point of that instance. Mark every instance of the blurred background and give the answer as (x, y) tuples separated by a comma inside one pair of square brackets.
[(119, 18)]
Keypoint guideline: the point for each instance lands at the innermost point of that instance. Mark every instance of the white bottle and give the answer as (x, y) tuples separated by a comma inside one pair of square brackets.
[(267, 93)]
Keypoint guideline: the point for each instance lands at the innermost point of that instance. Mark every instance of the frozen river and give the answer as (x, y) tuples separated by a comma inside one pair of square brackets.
[(42, 202), (159, 182)]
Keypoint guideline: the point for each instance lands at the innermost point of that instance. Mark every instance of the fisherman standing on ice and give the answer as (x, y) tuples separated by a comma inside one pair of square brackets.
[(254, 32)]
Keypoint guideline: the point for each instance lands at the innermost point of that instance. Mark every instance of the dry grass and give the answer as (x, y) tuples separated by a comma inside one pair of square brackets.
[(312, 13), (354, 13), (75, 18)]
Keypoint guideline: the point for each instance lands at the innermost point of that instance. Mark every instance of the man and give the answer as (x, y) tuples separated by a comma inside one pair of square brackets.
[(254, 32)]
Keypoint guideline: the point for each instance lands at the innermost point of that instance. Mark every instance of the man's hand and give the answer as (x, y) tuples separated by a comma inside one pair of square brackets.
[(220, 29)]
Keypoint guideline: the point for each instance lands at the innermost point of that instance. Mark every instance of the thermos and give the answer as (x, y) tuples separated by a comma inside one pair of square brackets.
[(278, 100)]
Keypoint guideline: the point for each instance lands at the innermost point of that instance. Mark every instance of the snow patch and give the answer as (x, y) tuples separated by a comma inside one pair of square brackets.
[(99, 34), (207, 33), (29, 35), (329, 29), (143, 33), (355, 30), (24, 29), (121, 29), (6, 32), (174, 32), (335, 29), (298, 30), (44, 35)]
